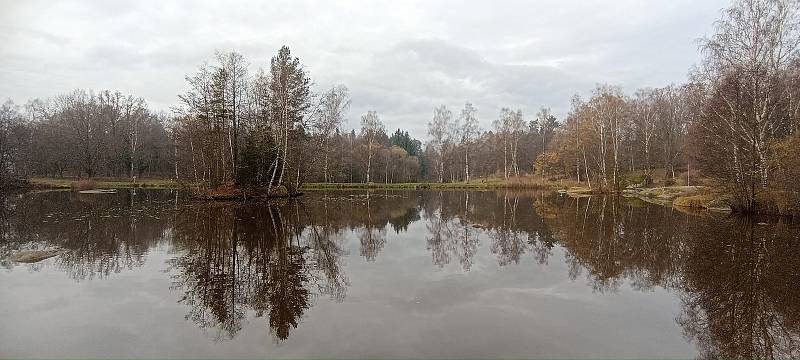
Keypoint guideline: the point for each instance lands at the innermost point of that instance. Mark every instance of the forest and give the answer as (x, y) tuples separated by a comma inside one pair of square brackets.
[(733, 125)]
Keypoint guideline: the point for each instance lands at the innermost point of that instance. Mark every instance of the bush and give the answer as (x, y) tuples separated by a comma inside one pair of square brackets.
[(699, 201)]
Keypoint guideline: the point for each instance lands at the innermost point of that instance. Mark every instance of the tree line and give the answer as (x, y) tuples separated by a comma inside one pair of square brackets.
[(84, 133)]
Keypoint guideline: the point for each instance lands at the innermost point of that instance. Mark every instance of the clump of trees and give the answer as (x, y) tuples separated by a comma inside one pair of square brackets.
[(268, 114), (270, 130), (460, 150), (611, 134), (83, 133), (749, 116), (602, 139)]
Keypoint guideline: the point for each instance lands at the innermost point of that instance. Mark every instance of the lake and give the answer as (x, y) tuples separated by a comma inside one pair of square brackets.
[(393, 274)]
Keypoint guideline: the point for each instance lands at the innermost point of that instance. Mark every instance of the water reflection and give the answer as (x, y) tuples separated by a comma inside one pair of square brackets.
[(265, 257), (617, 239), (737, 279), (100, 236), (741, 290)]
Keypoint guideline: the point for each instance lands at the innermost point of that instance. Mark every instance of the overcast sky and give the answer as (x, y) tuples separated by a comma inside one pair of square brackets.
[(401, 58)]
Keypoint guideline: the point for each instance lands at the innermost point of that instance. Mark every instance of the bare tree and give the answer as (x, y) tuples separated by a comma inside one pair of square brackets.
[(469, 131), (645, 121), (502, 127), (234, 65), (371, 128), (746, 61), (439, 130), (608, 107), (333, 105), (11, 145), (516, 131), (289, 95), (546, 124)]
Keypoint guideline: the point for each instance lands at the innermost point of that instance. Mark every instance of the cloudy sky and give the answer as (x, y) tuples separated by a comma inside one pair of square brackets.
[(401, 58)]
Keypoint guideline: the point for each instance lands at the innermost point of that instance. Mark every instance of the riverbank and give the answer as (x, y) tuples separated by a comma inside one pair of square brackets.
[(768, 201), (413, 186), (698, 197), (694, 197)]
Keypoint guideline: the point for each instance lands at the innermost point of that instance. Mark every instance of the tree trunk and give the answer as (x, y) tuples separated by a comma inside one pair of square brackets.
[(369, 159), (441, 170), (505, 159), (466, 162), (325, 167), (235, 147)]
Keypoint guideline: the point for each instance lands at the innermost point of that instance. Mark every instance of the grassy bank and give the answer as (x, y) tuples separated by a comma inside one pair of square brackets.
[(101, 183)]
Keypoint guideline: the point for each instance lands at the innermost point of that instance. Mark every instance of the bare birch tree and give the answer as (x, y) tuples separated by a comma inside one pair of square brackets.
[(746, 60), (289, 95), (645, 121), (469, 131), (236, 87), (439, 130), (502, 128), (333, 105), (371, 128), (516, 131)]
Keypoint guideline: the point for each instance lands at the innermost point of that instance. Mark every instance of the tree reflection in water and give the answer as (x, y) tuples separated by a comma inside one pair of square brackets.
[(264, 257), (741, 294), (737, 278), (99, 235)]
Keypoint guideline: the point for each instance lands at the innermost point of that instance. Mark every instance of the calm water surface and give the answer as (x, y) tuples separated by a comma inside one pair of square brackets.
[(393, 274)]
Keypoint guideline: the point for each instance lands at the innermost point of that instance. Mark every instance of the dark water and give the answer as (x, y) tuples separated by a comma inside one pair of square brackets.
[(394, 274)]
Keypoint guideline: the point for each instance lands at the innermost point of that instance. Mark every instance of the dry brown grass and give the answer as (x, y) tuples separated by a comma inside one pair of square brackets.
[(695, 201)]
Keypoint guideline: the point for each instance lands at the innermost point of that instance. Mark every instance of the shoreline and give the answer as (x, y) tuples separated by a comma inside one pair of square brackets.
[(680, 197), (430, 185)]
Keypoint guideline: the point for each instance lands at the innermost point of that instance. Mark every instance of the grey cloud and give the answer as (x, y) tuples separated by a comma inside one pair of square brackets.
[(399, 58), (410, 79)]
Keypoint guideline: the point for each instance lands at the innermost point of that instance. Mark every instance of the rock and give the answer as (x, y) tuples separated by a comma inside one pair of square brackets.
[(33, 256), (98, 191)]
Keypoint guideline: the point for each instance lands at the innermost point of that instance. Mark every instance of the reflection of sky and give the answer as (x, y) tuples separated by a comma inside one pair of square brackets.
[(400, 305)]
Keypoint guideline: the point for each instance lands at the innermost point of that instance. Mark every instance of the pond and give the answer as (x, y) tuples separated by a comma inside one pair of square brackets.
[(393, 274)]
